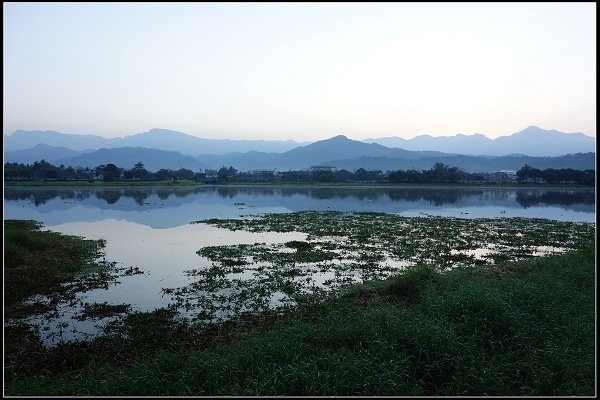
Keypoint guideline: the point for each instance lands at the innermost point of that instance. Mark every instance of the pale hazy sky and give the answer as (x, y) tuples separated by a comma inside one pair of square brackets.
[(303, 71)]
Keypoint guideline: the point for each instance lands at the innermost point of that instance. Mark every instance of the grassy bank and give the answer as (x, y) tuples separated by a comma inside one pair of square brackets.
[(389, 185), (374, 185), (37, 262), (101, 184), (517, 328)]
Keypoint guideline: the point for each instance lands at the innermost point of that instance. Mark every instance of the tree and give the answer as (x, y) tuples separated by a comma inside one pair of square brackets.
[(111, 173), (163, 175), (184, 173), (528, 174), (225, 174), (138, 171)]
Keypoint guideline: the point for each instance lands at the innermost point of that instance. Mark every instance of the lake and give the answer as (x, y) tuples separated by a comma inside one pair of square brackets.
[(150, 229), (166, 208)]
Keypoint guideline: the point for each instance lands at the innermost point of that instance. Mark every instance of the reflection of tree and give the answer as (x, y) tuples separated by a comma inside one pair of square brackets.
[(111, 196), (496, 194), (369, 195), (437, 197), (138, 195), (565, 197), (321, 194), (163, 194), (82, 194), (41, 197), (224, 192), (37, 196), (183, 192)]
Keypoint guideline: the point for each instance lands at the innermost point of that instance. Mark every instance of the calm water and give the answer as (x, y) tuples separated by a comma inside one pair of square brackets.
[(167, 208), (149, 228)]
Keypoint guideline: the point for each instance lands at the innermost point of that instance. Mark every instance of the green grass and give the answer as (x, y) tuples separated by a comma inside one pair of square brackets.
[(37, 262), (521, 328), (374, 185), (177, 183)]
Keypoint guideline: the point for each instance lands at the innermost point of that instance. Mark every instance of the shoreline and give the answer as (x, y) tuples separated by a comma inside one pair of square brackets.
[(340, 185)]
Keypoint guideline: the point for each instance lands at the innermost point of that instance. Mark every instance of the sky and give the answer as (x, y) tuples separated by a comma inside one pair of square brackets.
[(301, 71)]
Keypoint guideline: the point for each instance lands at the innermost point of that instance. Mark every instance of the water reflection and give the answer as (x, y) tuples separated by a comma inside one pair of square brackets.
[(169, 207), (566, 198), (39, 196)]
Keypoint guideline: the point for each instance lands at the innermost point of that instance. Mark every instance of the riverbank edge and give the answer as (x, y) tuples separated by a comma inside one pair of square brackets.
[(369, 185)]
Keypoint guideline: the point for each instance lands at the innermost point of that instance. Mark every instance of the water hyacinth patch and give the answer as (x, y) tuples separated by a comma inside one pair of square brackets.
[(344, 248)]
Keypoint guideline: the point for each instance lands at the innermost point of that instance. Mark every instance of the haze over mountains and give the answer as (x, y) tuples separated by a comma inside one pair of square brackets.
[(532, 141), (161, 148), (162, 139)]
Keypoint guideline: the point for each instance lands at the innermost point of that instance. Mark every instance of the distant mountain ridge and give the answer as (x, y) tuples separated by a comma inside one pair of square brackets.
[(40, 152), (338, 146), (339, 152), (162, 139), (579, 161), (155, 150), (532, 141), (127, 157)]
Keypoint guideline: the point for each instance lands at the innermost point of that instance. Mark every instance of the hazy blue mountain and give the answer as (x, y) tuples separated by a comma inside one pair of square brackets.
[(40, 152), (337, 151), (312, 154), (532, 141), (242, 161), (339, 147), (165, 139), (127, 157), (21, 140), (539, 142), (579, 161), (349, 154), (162, 139)]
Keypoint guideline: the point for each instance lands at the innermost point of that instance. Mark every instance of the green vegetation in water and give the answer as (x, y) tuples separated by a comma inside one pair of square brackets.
[(43, 262), (345, 248), (43, 269), (501, 327), (101, 310), (523, 328)]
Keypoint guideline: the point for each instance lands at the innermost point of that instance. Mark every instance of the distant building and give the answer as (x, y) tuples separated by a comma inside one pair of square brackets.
[(262, 172), (508, 172), (322, 168), (210, 178), (503, 176)]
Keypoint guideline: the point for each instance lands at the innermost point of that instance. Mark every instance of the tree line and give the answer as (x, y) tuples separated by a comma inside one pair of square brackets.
[(552, 175), (439, 173)]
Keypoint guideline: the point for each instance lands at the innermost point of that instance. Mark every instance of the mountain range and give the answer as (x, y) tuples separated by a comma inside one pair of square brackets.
[(532, 141), (160, 148), (162, 139)]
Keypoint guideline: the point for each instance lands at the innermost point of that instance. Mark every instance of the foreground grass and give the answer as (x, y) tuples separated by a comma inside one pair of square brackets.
[(37, 262), (521, 328)]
